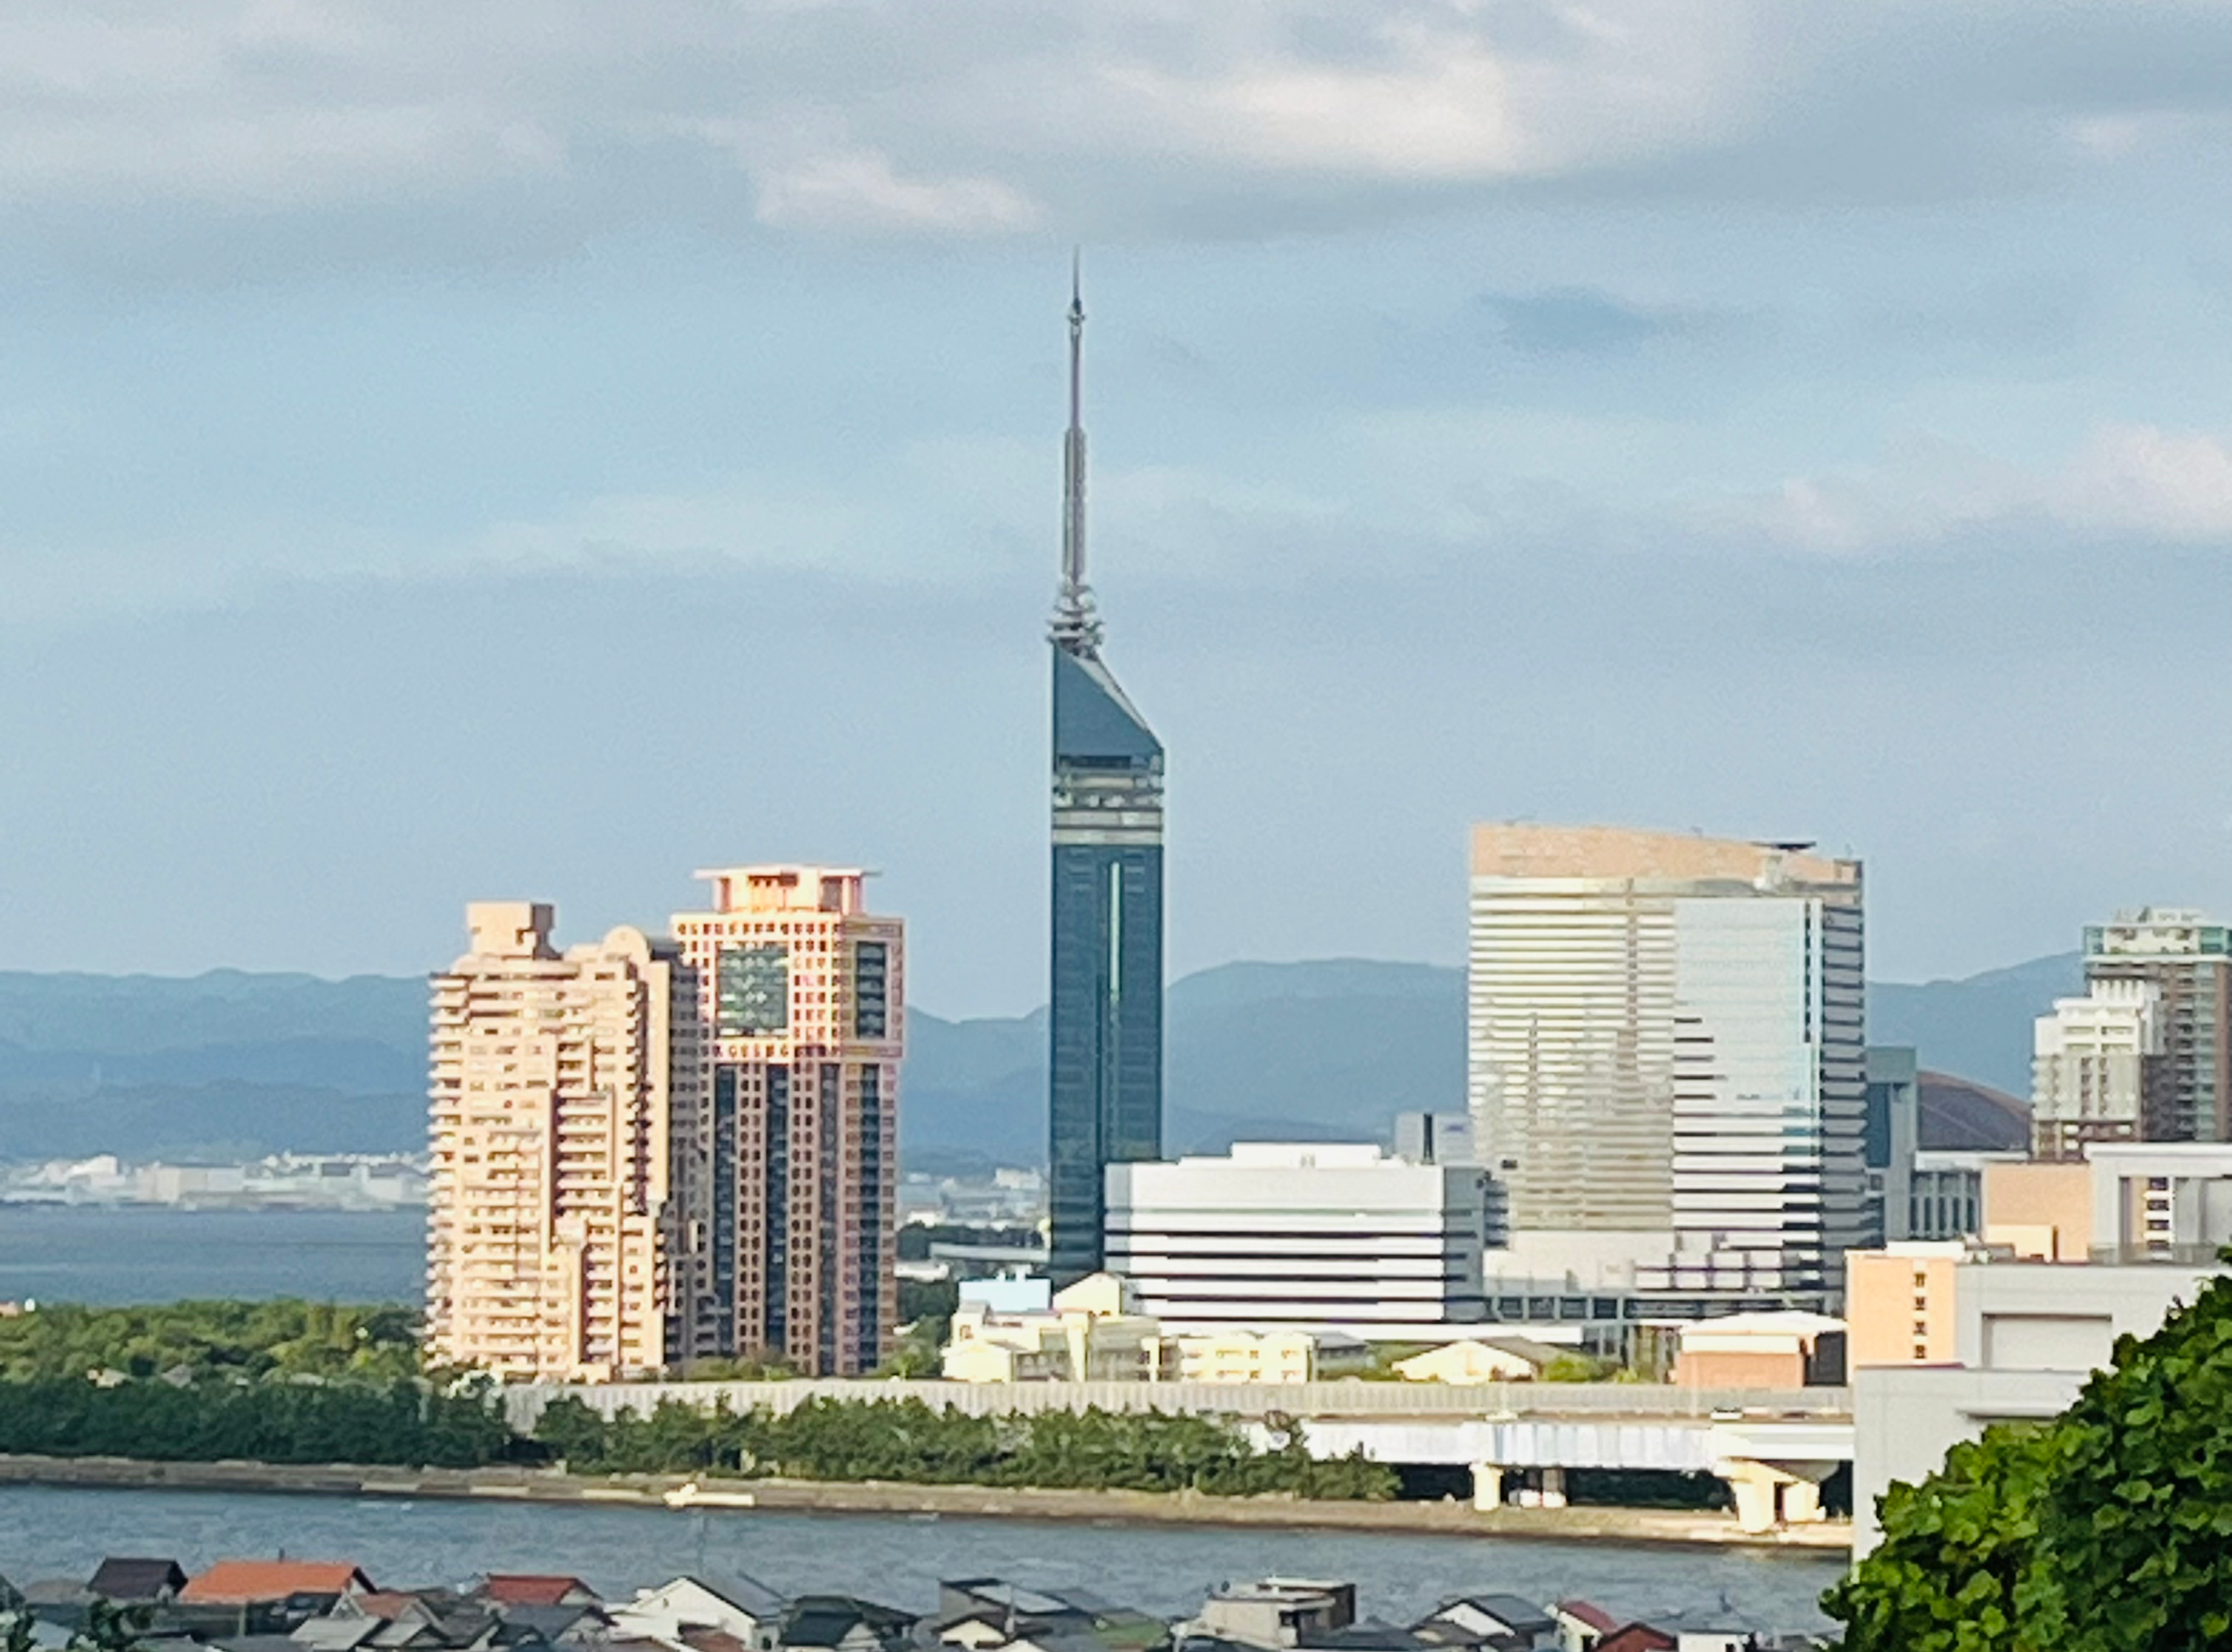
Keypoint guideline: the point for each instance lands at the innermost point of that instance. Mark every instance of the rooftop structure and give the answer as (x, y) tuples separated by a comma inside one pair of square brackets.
[(1105, 1014)]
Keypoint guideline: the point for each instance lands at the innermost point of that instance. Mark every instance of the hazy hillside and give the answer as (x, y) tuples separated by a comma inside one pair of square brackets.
[(230, 1063), (1317, 1050), (1981, 1027)]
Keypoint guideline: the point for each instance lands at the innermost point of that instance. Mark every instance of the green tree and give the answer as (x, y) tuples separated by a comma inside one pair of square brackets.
[(1577, 1368), (111, 1628), (2107, 1530)]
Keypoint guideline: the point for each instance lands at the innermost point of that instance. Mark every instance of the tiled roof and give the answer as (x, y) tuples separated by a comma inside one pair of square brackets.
[(1638, 1637), (234, 1582), (1589, 1614), (533, 1589)]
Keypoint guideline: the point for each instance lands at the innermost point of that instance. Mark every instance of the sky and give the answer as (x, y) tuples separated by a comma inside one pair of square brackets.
[(535, 452)]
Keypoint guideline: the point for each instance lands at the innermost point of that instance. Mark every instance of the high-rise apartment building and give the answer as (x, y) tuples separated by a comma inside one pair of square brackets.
[(787, 1121), (2098, 1072), (1666, 1055), (552, 1083), (2189, 963), (1105, 1012)]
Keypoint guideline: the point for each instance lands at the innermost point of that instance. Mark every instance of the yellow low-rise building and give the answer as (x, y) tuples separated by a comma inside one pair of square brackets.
[(1498, 1359), (1087, 1333)]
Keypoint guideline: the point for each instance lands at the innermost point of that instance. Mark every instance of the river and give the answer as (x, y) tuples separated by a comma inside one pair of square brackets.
[(55, 1532)]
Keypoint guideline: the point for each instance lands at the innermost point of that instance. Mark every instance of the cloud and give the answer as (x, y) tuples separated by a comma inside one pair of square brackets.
[(1118, 117), (2125, 481), (860, 192), (1583, 320)]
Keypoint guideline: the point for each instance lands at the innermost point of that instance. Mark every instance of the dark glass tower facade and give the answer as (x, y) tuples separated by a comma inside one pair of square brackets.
[(1105, 1052), (1104, 1015)]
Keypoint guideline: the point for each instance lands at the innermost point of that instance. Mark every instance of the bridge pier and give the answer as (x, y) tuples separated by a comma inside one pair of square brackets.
[(1768, 1495), (1487, 1486)]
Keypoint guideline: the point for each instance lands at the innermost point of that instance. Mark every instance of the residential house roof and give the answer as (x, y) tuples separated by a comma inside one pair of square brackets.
[(563, 1624), (331, 1634), (842, 1622), (55, 1591), (535, 1589), (127, 1578), (1587, 1614), (708, 1640), (241, 1581), (1496, 1620), (1638, 1637), (1365, 1635)]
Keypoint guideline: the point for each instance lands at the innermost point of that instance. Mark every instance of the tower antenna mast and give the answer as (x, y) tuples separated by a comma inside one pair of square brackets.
[(1075, 628)]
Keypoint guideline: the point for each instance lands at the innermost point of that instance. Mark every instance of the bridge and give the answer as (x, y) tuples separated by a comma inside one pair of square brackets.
[(1773, 1447)]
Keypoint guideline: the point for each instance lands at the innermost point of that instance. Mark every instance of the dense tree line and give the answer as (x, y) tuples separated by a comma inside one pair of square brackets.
[(273, 1420), (2107, 1530), (908, 1441), (204, 1338)]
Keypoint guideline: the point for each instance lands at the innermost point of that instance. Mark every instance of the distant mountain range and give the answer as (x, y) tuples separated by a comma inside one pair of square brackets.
[(230, 1064)]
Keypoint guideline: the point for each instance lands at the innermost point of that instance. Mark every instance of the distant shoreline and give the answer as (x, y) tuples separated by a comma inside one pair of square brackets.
[(1661, 1528)]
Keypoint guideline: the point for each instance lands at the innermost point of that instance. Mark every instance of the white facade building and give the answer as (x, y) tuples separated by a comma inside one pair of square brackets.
[(2027, 1335), (1316, 1236), (1666, 1060), (2096, 1069)]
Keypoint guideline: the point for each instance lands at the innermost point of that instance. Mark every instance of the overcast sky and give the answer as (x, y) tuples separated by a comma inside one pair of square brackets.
[(538, 450)]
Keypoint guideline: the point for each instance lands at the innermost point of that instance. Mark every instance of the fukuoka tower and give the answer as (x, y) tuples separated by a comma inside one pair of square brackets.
[(1105, 1020)]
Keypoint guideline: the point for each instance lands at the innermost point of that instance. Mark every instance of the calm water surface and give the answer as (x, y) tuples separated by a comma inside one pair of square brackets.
[(139, 1253), (56, 1533)]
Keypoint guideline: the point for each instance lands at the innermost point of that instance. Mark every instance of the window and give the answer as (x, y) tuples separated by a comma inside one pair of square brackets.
[(752, 990), (871, 990)]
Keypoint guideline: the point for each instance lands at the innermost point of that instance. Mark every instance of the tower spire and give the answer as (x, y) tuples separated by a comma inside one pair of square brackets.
[(1075, 628)]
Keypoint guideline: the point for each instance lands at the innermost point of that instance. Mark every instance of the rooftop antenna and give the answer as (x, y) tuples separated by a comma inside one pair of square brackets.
[(1075, 628)]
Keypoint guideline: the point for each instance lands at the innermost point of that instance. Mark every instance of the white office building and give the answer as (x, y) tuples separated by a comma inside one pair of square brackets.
[(1666, 1061), (1331, 1237)]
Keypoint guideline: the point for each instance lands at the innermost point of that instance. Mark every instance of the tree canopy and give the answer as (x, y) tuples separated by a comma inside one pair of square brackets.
[(906, 1440), (286, 1337), (2106, 1530)]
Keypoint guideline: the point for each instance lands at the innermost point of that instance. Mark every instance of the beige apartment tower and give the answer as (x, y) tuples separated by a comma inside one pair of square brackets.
[(551, 1088), (787, 1151)]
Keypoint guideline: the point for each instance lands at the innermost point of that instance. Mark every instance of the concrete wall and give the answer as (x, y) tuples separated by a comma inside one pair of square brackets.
[(1899, 1305), (1906, 1418), (2042, 1210)]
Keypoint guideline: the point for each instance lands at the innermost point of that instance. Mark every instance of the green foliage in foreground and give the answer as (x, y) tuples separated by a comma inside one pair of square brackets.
[(2107, 1530), (251, 1338), (908, 1441), (398, 1423)]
